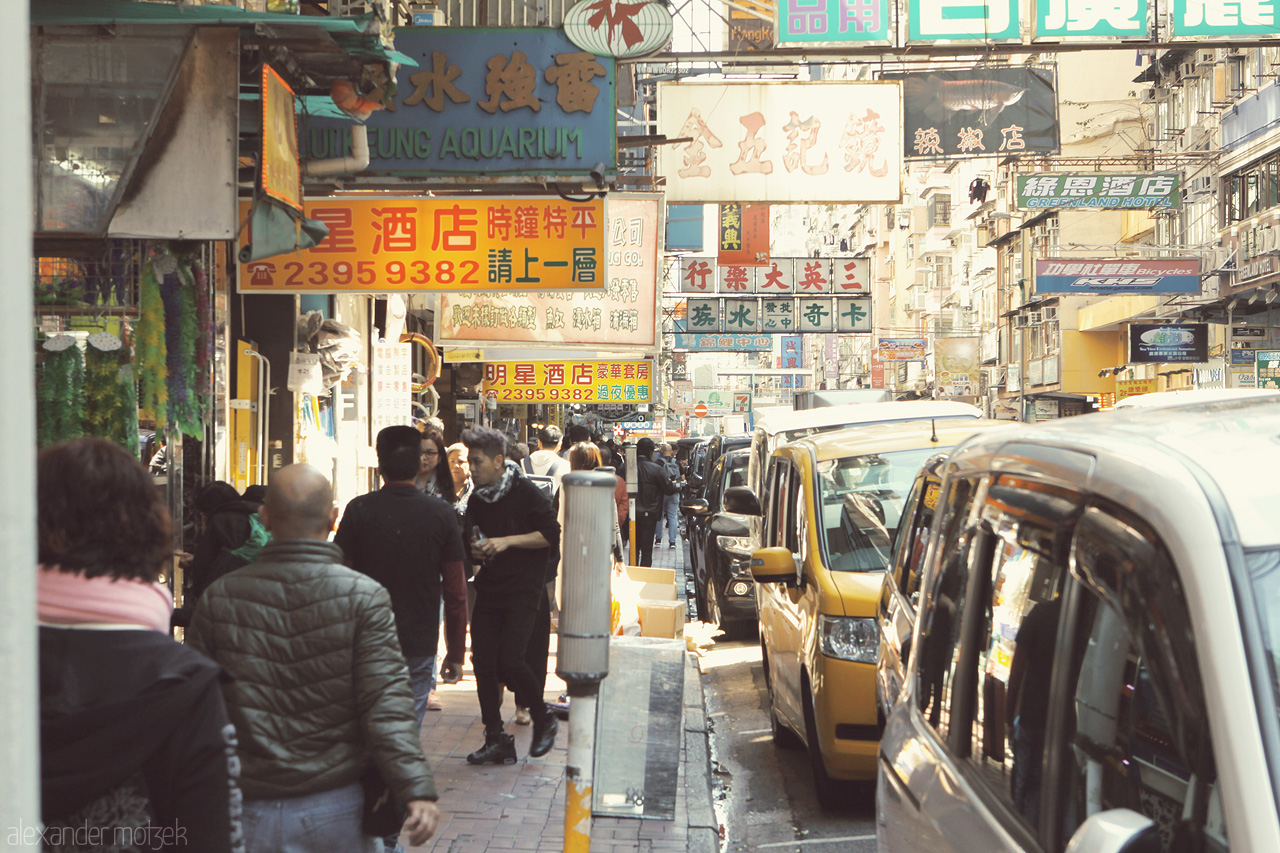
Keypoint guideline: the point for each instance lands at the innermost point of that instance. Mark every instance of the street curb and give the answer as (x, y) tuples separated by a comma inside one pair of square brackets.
[(704, 829)]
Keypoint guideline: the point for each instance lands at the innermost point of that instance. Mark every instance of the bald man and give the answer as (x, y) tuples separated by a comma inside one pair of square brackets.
[(320, 691)]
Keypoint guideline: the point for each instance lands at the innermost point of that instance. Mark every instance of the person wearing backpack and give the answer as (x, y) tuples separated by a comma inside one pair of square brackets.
[(232, 537), (670, 503)]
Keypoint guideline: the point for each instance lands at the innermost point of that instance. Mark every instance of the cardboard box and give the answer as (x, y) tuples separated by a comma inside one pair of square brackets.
[(646, 574), (661, 619)]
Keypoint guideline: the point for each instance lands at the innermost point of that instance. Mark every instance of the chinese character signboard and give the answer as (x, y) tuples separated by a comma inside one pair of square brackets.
[(1068, 20), (1133, 387), (1105, 192), (1150, 343), (792, 349), (483, 243), (962, 20), (568, 381), (613, 28), (1118, 276), (776, 277), (781, 142), (863, 22), (477, 104), (1202, 18), (788, 315), (853, 314), (974, 111), (391, 386), (744, 235), (281, 178), (956, 366), (623, 315), (901, 349), (700, 342)]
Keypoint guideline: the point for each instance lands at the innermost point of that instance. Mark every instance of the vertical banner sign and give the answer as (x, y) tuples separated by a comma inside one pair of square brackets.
[(877, 371), (281, 176), (843, 21), (974, 111), (744, 235), (624, 315), (956, 366), (482, 243), (791, 352), (391, 387), (781, 142)]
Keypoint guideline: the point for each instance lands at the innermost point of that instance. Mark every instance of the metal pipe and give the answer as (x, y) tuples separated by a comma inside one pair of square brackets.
[(264, 412), (357, 162), (577, 771)]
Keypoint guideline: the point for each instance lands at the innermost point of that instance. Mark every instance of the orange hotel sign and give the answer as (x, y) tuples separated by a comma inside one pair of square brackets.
[(491, 243)]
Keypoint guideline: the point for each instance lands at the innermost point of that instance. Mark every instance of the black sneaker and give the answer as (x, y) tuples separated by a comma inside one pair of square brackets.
[(544, 732), (499, 748)]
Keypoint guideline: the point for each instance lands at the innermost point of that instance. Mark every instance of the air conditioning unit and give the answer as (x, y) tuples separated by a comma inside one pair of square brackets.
[(1200, 186), (1020, 321), (1049, 312), (1204, 57), (1154, 95), (1189, 70), (1034, 318)]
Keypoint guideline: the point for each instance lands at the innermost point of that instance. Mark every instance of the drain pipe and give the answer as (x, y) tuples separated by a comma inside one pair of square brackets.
[(357, 162)]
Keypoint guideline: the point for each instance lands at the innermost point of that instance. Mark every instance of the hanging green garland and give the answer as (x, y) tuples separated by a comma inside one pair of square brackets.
[(184, 381), (151, 356), (59, 392), (110, 408)]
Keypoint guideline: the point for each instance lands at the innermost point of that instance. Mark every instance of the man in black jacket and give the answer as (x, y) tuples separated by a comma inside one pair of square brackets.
[(510, 525), (653, 487)]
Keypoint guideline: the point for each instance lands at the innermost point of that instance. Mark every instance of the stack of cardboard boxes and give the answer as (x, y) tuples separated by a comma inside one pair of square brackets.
[(661, 614)]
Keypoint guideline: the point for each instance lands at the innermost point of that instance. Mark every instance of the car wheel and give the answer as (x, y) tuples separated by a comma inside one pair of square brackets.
[(831, 793), (783, 737), (700, 599)]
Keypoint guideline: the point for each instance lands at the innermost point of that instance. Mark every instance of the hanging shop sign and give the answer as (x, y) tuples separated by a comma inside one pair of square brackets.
[(484, 243), (749, 27), (623, 315), (900, 349), (702, 342), (618, 29), (391, 386), (1134, 387), (1223, 18), (779, 277), (749, 315), (1057, 275), (1105, 192), (792, 347), (744, 235), (957, 366), (1082, 20), (931, 21), (281, 176), (802, 21), (1268, 371), (972, 111), (781, 142), (477, 105), (568, 381), (1150, 343)]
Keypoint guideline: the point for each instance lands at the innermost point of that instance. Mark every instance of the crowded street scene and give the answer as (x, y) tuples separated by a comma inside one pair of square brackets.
[(661, 426)]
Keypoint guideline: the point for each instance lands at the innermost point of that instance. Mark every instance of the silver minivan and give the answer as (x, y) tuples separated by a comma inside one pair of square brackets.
[(1094, 659)]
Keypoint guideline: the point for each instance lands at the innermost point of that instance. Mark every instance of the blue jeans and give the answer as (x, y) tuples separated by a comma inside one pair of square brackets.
[(671, 515), (327, 822), (422, 676)]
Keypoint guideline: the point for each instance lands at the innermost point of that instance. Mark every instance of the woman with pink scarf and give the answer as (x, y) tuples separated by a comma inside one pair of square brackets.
[(136, 750)]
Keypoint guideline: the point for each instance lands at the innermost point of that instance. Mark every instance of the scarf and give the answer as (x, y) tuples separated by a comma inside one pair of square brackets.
[(461, 503), (498, 491), (68, 600)]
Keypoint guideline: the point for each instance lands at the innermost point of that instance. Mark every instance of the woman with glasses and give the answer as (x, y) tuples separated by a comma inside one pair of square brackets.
[(434, 475)]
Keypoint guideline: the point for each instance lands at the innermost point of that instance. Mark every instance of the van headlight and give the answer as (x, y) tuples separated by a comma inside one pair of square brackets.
[(850, 639)]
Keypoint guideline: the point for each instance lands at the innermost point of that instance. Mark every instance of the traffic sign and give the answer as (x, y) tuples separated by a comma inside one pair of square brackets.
[(700, 410)]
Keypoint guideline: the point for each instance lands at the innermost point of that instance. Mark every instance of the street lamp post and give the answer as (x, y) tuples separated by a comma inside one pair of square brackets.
[(582, 653)]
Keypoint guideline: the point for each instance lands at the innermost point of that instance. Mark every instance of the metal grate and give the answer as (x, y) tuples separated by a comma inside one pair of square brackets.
[(89, 277)]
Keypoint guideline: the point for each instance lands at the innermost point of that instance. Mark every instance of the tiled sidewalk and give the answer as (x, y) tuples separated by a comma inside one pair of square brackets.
[(521, 806)]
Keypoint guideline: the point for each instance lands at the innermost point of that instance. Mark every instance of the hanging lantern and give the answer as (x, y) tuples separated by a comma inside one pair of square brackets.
[(618, 29)]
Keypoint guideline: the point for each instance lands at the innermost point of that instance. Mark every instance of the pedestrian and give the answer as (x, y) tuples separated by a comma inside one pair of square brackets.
[(411, 543), (434, 474), (460, 472), (135, 742), (320, 694), (671, 503), (586, 456), (544, 461), (576, 433), (230, 521), (653, 485), (510, 525)]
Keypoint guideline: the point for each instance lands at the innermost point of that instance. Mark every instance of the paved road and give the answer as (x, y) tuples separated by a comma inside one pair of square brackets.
[(765, 799)]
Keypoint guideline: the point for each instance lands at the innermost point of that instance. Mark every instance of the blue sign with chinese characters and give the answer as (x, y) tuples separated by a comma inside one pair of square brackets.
[(694, 342), (486, 101)]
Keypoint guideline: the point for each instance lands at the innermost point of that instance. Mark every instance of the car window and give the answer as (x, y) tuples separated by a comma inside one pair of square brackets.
[(714, 485), (776, 514), (944, 600), (792, 522), (1137, 736)]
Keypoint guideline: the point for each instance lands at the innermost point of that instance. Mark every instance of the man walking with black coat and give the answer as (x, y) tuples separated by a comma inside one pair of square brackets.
[(511, 526), (653, 487)]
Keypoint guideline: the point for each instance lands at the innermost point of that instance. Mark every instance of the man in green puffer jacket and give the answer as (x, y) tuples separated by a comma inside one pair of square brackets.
[(320, 689)]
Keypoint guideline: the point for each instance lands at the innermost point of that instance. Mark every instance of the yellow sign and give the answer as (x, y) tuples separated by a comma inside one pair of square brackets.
[(281, 177), (486, 243), (1133, 387), (584, 381), (453, 356)]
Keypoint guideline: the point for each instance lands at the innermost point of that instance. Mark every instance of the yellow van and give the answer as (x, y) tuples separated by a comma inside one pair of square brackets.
[(828, 523)]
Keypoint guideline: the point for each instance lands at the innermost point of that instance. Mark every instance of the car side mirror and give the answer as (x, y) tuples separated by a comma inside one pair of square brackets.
[(741, 500), (697, 506), (1116, 831), (773, 565)]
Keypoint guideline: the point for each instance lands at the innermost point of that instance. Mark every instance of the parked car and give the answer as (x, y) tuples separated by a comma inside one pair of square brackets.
[(833, 507), (1093, 664), (697, 469), (725, 592)]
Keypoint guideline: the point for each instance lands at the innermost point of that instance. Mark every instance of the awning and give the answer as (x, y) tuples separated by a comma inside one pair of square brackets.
[(1055, 395)]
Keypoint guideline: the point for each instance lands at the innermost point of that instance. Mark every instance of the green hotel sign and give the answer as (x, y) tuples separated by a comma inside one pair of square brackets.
[(1102, 191)]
